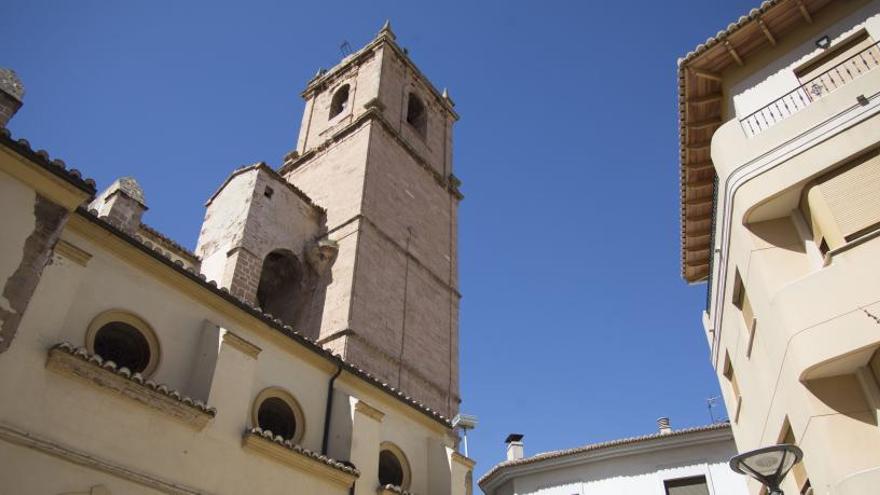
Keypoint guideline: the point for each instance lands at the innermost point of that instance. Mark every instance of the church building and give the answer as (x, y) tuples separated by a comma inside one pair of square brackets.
[(309, 344)]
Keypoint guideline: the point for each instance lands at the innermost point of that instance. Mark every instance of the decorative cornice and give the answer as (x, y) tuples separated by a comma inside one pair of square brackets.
[(77, 362), (464, 461), (298, 457), (236, 342), (73, 253), (89, 460), (368, 410), (384, 38), (373, 112)]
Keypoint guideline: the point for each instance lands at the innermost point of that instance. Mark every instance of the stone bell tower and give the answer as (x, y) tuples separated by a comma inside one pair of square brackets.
[(375, 151)]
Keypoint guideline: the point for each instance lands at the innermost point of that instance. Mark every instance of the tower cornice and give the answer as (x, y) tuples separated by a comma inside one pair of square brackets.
[(373, 113), (385, 38)]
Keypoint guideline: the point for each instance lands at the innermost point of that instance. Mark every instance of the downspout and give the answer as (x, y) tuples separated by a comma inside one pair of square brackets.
[(328, 410)]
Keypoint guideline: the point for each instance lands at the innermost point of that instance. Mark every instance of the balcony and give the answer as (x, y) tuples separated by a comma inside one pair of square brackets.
[(816, 88)]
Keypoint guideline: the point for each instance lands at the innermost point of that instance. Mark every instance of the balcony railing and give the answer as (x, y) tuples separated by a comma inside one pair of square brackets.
[(814, 89)]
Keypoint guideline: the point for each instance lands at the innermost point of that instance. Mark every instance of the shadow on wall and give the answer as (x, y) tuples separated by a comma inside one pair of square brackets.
[(293, 291)]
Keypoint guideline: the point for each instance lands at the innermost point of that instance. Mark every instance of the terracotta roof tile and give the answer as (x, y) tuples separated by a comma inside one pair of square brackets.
[(41, 158)]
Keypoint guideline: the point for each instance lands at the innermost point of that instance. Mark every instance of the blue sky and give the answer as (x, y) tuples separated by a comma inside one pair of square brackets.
[(575, 324)]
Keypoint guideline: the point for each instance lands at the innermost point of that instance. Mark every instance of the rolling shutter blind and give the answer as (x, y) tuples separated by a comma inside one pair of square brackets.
[(687, 486), (853, 196)]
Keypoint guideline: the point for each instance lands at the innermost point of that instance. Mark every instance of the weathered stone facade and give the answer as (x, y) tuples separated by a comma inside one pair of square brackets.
[(391, 200)]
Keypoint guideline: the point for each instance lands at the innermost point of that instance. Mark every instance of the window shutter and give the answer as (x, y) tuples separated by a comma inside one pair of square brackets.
[(853, 196)]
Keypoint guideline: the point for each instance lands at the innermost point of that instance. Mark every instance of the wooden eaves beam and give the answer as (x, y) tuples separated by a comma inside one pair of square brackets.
[(767, 33), (732, 51), (804, 12), (705, 74), (710, 98)]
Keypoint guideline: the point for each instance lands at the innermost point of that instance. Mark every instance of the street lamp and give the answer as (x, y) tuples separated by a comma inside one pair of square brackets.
[(768, 465)]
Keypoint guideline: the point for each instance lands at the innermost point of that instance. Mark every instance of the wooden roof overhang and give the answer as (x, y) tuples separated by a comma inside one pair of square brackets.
[(700, 114)]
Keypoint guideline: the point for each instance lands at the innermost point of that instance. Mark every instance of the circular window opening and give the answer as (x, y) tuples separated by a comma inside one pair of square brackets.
[(390, 469), (276, 416), (123, 344)]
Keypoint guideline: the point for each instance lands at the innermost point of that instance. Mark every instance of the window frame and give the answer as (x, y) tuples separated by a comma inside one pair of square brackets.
[(275, 392), (685, 479), (345, 103), (422, 129), (134, 321), (402, 459)]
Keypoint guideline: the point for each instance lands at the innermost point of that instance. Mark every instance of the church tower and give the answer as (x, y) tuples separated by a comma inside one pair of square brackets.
[(375, 151)]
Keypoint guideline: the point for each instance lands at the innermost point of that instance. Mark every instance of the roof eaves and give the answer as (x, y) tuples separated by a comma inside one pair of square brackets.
[(498, 468), (41, 158)]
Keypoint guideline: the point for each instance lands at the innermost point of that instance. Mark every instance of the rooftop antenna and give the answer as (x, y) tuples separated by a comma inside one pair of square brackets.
[(345, 48), (711, 404), (464, 422)]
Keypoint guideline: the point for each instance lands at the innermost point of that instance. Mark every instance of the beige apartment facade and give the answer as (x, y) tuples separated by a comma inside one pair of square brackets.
[(780, 210), (309, 345)]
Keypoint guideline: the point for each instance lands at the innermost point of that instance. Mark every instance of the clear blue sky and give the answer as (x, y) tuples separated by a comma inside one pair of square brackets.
[(575, 324)]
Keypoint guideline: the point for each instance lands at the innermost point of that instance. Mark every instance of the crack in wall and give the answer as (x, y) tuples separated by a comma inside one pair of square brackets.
[(36, 254)]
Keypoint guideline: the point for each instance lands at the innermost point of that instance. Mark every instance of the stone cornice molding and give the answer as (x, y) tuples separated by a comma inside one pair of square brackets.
[(374, 113), (368, 410), (236, 342), (299, 458), (47, 446), (366, 220), (385, 38), (78, 363), (73, 253), (467, 462)]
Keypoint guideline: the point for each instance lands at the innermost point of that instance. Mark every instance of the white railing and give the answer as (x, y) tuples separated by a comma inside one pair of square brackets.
[(814, 89)]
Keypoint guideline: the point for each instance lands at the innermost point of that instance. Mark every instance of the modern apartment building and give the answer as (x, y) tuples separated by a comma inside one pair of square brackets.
[(780, 215)]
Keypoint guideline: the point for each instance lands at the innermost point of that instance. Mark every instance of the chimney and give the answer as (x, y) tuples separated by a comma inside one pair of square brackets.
[(11, 93), (514, 446), (663, 425), (122, 204)]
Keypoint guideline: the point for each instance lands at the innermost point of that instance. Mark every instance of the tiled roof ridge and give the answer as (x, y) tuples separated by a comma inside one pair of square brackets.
[(41, 157), (395, 489), (171, 242), (729, 30), (274, 173), (598, 446), (287, 444), (84, 355), (255, 311)]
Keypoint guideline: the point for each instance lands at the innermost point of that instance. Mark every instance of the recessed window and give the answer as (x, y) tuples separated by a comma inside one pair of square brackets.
[(841, 206), (393, 467), (340, 101), (798, 473), (416, 114), (277, 411), (123, 344), (694, 485), (125, 339)]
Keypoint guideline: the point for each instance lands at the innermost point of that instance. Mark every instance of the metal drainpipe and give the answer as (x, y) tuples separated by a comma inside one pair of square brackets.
[(328, 410)]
